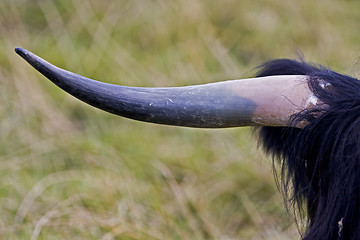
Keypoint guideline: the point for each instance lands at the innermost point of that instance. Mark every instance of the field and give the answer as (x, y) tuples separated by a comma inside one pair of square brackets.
[(69, 171)]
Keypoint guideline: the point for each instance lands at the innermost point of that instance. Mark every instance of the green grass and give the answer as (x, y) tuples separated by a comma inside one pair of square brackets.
[(68, 171)]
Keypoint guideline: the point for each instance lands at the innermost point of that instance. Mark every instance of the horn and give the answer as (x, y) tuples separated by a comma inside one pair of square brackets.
[(264, 101)]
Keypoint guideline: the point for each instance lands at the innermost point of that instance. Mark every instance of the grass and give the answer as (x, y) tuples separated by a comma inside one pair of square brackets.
[(68, 171)]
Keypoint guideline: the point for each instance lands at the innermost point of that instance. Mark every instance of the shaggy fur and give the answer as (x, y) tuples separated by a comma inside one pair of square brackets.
[(320, 164)]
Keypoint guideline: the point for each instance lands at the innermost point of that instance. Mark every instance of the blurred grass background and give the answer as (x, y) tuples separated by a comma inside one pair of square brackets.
[(68, 171)]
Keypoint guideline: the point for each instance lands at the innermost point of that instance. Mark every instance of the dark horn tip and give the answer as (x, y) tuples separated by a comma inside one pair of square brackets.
[(25, 54), (22, 52), (35, 61)]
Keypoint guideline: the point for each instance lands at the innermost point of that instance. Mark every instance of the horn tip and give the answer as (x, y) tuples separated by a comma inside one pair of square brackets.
[(22, 52), (31, 58)]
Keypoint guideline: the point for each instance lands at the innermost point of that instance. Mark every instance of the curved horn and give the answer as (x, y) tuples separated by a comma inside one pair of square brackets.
[(265, 101)]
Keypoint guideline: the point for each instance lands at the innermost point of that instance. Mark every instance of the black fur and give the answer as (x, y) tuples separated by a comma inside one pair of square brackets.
[(320, 164)]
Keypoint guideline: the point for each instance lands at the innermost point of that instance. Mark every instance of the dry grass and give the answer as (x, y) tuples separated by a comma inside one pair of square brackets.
[(68, 171)]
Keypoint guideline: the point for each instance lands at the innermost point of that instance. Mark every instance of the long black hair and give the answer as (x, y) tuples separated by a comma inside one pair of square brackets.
[(320, 164)]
